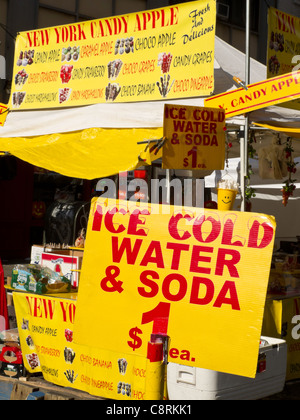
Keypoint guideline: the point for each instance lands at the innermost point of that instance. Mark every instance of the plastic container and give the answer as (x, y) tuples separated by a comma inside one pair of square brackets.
[(227, 192), (190, 383)]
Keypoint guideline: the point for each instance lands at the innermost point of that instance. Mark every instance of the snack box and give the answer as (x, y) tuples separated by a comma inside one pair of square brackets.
[(65, 265), (190, 383)]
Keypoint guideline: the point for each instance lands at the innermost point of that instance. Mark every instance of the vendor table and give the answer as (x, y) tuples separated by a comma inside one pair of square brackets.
[(282, 320), (45, 324)]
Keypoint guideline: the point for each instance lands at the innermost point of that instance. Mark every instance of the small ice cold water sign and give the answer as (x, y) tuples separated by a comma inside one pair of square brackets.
[(195, 138)]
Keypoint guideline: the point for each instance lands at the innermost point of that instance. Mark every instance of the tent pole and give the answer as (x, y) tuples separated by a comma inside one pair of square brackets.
[(244, 146), (242, 166)]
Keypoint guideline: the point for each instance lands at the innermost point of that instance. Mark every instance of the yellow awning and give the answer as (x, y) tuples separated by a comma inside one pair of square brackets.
[(87, 154), (289, 131)]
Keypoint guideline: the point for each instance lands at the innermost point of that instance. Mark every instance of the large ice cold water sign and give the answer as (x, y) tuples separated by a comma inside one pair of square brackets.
[(195, 138), (198, 275)]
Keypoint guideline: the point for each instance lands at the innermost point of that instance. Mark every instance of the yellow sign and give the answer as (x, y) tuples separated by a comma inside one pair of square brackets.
[(282, 320), (283, 46), (46, 327), (3, 114), (197, 275), (259, 95), (145, 56), (195, 138)]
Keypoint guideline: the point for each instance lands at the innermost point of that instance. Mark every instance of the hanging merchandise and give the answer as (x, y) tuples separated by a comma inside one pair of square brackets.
[(272, 161)]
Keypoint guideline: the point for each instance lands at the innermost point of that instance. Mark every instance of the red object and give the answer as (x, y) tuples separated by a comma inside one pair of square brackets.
[(9, 353), (66, 73), (262, 366), (69, 335), (3, 302), (155, 352), (142, 174)]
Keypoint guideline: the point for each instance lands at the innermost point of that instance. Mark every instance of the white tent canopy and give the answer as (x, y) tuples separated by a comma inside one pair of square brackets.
[(229, 62)]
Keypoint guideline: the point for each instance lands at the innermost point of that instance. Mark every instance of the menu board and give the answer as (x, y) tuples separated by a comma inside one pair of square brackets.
[(283, 47), (145, 56)]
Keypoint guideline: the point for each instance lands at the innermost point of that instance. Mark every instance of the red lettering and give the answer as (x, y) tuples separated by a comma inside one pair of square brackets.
[(230, 264), (198, 227), (185, 355), (110, 226), (177, 248), (157, 258), (228, 233), (146, 19), (131, 253), (194, 267), (40, 308), (38, 38), (174, 353), (76, 33), (229, 286), (167, 285), (97, 221), (254, 232), (134, 221), (210, 290), (160, 318), (37, 313), (285, 23), (173, 227), (49, 306), (28, 34), (68, 311), (154, 288), (155, 17), (174, 16)]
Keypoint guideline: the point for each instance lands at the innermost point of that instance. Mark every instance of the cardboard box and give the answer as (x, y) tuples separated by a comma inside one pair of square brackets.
[(37, 250), (36, 254), (65, 265), (52, 257)]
